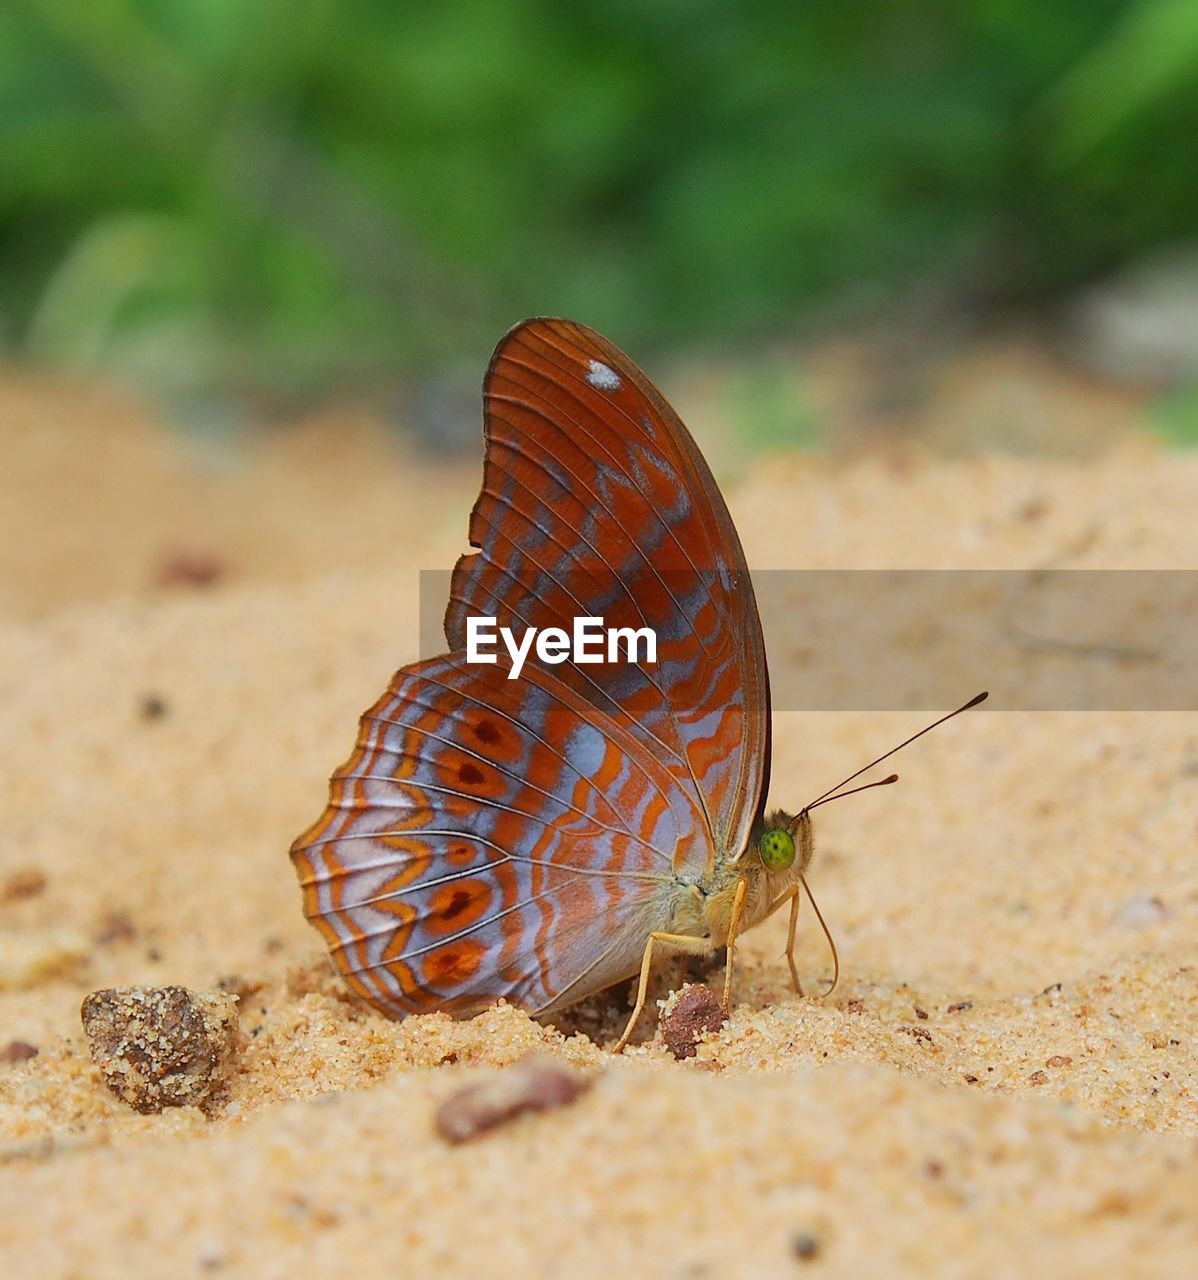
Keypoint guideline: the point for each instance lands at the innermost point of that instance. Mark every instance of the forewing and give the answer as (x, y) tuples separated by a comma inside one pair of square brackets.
[(596, 502), (492, 838)]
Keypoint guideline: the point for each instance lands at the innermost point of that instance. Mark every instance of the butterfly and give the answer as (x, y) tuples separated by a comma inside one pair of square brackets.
[(541, 838)]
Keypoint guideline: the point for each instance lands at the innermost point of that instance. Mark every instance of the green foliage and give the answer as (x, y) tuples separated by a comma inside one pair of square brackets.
[(770, 397), (292, 193), (1176, 415)]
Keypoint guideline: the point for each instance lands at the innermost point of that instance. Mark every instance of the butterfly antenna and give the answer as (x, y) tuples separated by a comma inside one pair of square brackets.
[(819, 915), (832, 792), (840, 795)]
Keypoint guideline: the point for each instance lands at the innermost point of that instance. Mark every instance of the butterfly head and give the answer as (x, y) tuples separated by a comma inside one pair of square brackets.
[(785, 844)]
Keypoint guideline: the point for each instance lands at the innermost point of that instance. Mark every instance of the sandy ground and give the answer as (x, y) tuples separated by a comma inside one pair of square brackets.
[(1005, 1079)]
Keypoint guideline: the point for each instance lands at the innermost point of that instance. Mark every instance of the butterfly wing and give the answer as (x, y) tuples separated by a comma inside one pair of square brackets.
[(492, 838), (596, 501)]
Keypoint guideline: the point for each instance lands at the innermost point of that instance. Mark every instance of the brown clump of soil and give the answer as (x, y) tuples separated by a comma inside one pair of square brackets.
[(160, 1046), (689, 1016)]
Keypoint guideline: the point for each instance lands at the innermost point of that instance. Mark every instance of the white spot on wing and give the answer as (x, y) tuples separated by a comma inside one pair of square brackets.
[(603, 376), (586, 749)]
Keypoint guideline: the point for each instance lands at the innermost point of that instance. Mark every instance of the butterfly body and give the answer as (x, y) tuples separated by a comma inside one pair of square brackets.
[(535, 839)]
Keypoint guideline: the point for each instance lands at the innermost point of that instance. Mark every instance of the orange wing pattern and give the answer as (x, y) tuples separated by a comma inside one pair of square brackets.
[(595, 500)]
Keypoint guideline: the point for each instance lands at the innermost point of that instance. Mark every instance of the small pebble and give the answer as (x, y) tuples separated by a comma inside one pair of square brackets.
[(695, 1011), (536, 1083), (1035, 508), (114, 927), (160, 1046), (29, 882), (805, 1247), (153, 707), (189, 567), (17, 1051)]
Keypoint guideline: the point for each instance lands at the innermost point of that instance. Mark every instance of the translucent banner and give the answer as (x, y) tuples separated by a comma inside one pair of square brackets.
[(899, 640)]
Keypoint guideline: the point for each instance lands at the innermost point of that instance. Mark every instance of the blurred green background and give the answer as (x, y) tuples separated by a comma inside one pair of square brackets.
[(297, 197)]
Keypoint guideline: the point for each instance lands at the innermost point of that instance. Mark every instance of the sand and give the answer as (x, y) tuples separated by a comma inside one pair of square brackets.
[(1006, 1078)]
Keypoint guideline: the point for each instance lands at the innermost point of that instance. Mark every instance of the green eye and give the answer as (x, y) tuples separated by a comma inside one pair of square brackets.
[(777, 849)]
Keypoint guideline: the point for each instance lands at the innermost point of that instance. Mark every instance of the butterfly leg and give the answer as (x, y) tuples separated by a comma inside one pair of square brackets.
[(685, 943), (738, 906), (795, 900), (790, 937), (792, 896)]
